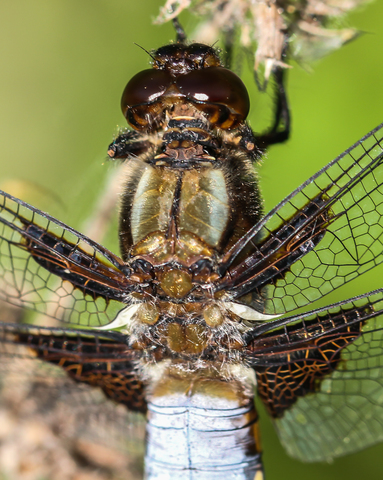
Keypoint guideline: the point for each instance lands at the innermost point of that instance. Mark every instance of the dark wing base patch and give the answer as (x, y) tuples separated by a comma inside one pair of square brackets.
[(103, 361)]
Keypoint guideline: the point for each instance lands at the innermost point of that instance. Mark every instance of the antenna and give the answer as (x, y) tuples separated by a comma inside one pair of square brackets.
[(144, 49)]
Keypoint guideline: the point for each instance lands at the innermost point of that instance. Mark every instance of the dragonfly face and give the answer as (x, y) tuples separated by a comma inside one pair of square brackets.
[(185, 325)]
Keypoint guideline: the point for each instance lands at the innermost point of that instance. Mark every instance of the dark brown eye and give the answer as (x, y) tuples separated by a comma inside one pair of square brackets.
[(144, 87), (216, 85)]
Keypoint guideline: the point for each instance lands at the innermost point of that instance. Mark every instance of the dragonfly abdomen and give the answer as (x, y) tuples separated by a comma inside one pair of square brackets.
[(193, 424)]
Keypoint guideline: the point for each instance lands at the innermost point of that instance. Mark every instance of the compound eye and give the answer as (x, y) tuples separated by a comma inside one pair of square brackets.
[(216, 85), (145, 87)]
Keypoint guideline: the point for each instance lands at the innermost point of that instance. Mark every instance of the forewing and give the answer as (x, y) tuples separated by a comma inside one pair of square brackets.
[(48, 267), (320, 376), (326, 233)]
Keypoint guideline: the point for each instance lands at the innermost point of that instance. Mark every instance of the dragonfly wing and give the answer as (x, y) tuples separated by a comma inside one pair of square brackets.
[(48, 267), (52, 409), (326, 233), (320, 375), (100, 360)]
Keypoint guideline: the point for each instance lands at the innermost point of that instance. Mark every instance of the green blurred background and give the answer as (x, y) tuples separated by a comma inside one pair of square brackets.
[(64, 64)]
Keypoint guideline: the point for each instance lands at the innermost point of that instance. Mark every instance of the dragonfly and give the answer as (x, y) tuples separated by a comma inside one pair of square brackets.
[(196, 317)]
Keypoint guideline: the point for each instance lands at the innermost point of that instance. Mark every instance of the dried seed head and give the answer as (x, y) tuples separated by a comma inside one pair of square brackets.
[(312, 28)]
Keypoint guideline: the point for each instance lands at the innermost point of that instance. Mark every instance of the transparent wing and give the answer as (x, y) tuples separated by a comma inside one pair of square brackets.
[(48, 267), (326, 233), (52, 424), (67, 397), (320, 375)]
